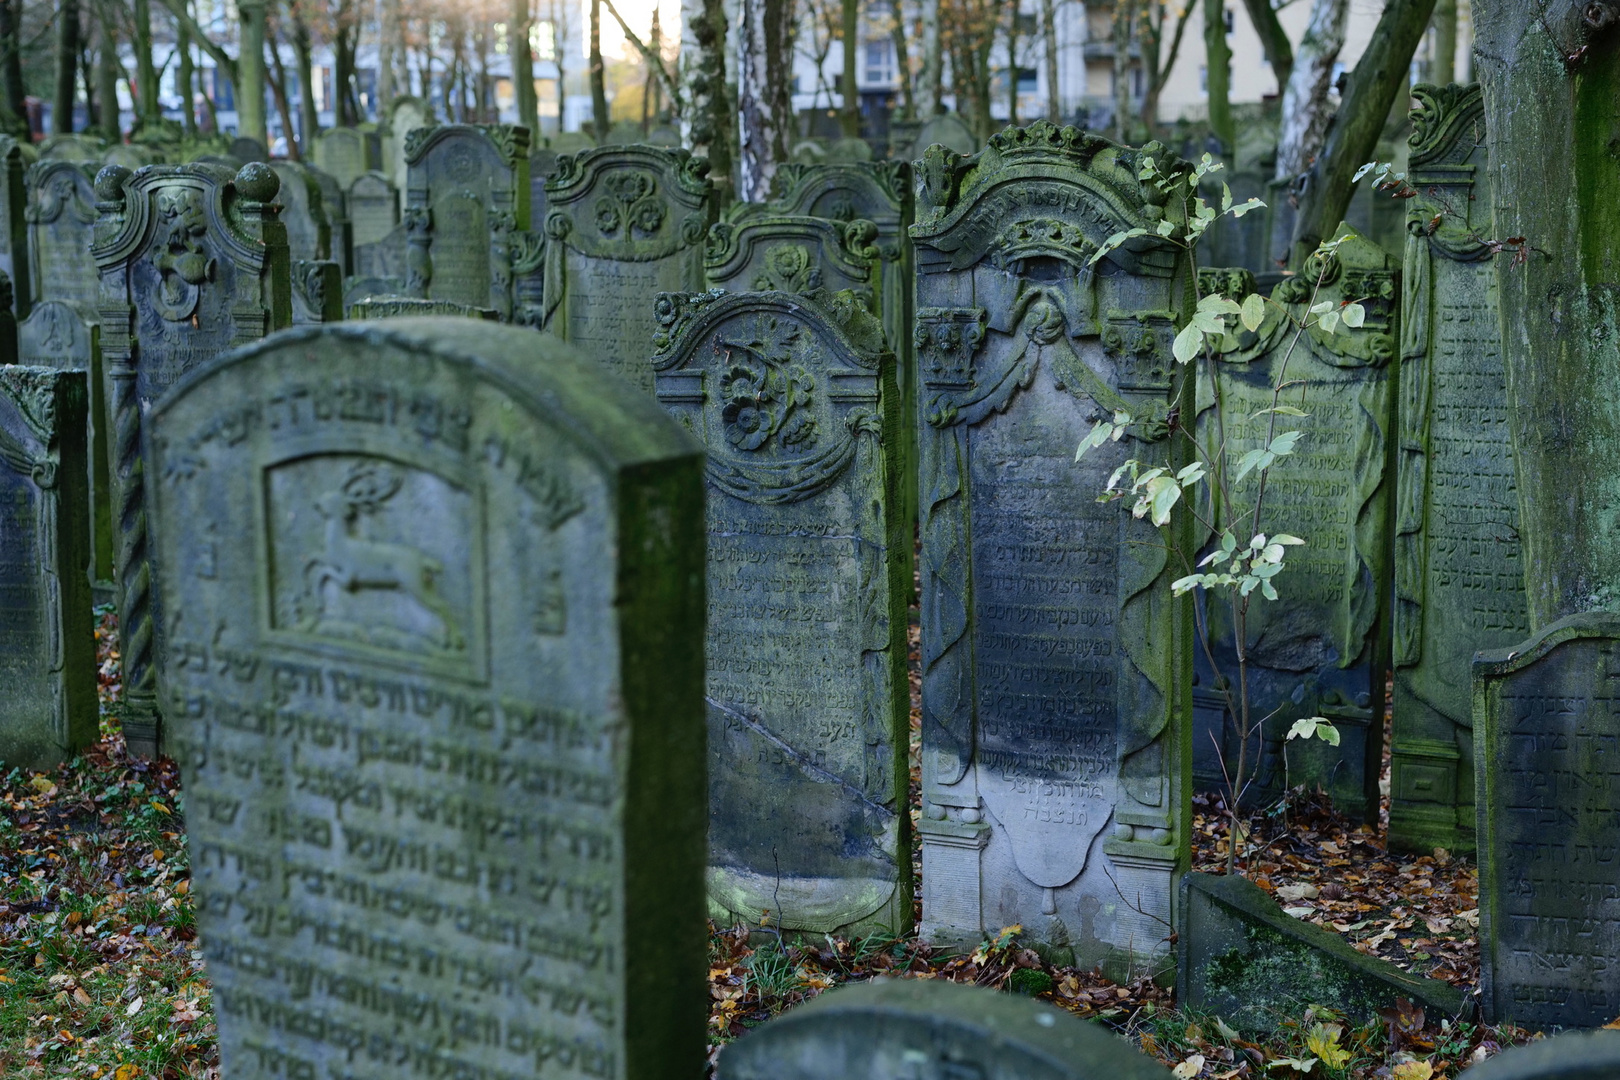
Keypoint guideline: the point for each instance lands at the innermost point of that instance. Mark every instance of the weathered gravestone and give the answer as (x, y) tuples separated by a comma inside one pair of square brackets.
[(1321, 648), (135, 156), (246, 150), (405, 115), (66, 337), (541, 162), (1574, 1055), (335, 202), (373, 205), (623, 224), (61, 226), (794, 253), (467, 199), (1054, 661), (393, 307), (438, 696), (928, 1029), (849, 150), (794, 396), (47, 636), (347, 153), (73, 147), (948, 130), (1547, 769), (317, 292), (1459, 584), (192, 261), (303, 212), (14, 262)]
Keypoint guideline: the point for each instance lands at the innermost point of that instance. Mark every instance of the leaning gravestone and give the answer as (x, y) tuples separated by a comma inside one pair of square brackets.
[(193, 260), (47, 635), (346, 153), (1459, 584), (1547, 755), (1054, 661), (929, 1029), (405, 115), (624, 223), (468, 197), (14, 262), (303, 212), (442, 723), (66, 337), (61, 226), (794, 397), (1320, 649)]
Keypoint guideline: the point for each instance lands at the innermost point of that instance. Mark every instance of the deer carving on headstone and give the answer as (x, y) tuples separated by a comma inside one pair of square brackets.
[(354, 563)]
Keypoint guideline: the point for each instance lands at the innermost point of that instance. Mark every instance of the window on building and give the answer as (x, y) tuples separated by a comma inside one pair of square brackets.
[(1203, 79), (879, 62), (1028, 81), (1229, 23)]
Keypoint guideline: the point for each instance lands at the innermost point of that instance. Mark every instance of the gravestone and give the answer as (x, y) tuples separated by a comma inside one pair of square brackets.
[(930, 1029), (541, 162), (1321, 648), (373, 205), (848, 150), (61, 225), (467, 198), (438, 698), (1054, 661), (795, 253), (1459, 584), (67, 337), (246, 150), (948, 130), (623, 224), (571, 142), (193, 260), (303, 213), (77, 146), (47, 634), (317, 292), (393, 307), (1547, 769), (405, 115), (1573, 1055), (134, 156), (335, 202), (346, 154), (809, 578), (14, 261)]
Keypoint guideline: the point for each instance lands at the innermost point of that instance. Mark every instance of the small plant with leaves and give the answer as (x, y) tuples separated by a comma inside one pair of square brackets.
[(1244, 560)]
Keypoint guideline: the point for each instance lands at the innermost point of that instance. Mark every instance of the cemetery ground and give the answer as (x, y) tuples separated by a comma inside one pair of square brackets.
[(101, 975)]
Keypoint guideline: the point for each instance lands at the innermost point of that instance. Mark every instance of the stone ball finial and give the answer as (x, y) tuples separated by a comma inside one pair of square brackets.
[(110, 183), (258, 182)]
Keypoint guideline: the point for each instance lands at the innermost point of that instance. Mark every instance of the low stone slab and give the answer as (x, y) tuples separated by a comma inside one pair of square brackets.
[(1243, 958), (1575, 1055), (911, 1029)]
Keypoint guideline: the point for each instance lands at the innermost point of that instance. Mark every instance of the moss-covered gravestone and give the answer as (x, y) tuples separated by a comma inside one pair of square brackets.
[(14, 261), (1055, 664), (437, 693), (1574, 1055), (61, 226), (75, 146), (1547, 766), (347, 153), (335, 202), (794, 253), (623, 223), (794, 397), (303, 212), (405, 115), (317, 291), (1321, 648), (373, 205), (66, 337), (1459, 584), (47, 637), (467, 198), (193, 260)]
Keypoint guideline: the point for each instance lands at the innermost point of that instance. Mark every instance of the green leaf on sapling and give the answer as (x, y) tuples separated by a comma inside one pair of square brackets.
[(1253, 311)]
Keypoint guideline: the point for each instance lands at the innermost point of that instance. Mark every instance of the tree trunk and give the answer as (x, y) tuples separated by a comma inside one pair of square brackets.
[(250, 72), (902, 64), (147, 108), (1551, 120), (708, 121), (599, 105), (1124, 33), (1218, 74), (345, 107), (67, 64), (1444, 68), (1163, 63), (108, 73), (1054, 102), (1273, 39), (1305, 113), (764, 101), (1012, 64), (933, 69), (388, 56), (849, 119), (1353, 136), (11, 74), (277, 77), (559, 50), (517, 46), (309, 116)]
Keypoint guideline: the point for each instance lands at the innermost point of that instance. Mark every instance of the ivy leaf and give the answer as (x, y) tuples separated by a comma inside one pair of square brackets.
[(1354, 315), (1328, 320)]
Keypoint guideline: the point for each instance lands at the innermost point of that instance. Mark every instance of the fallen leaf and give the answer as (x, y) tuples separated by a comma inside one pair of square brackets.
[(135, 1006), (1190, 1068), (1299, 892)]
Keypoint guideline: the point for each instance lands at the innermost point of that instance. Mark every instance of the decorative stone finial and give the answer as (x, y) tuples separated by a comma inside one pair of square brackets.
[(110, 183), (257, 182)]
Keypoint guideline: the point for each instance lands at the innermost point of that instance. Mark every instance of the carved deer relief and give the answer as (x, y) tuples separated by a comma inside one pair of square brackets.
[(353, 564)]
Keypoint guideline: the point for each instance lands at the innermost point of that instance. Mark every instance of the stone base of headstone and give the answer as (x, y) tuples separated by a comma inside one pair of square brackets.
[(890, 1029), (1574, 1055), (1430, 797), (950, 880), (142, 730), (1243, 958)]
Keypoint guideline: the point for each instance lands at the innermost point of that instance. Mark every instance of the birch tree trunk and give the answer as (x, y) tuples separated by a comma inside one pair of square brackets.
[(1305, 114), (764, 102), (67, 66)]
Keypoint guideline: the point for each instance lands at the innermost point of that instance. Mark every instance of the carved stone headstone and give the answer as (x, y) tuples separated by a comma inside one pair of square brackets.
[(335, 202), (61, 226), (303, 212), (47, 636), (193, 260), (346, 153), (405, 115), (373, 205), (1459, 584), (317, 292), (437, 692), (794, 396), (795, 253), (14, 261), (1547, 765), (393, 307), (623, 224), (66, 337), (1054, 661), (467, 198), (1320, 649), (948, 130), (77, 146)]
